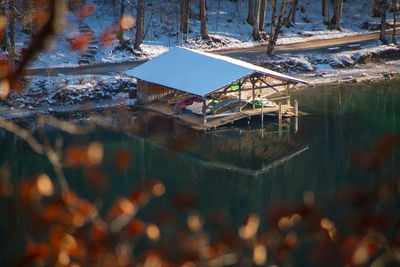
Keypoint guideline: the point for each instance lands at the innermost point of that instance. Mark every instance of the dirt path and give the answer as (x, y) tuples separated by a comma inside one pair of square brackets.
[(110, 68)]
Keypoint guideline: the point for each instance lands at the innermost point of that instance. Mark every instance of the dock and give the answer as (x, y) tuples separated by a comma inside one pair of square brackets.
[(197, 122)]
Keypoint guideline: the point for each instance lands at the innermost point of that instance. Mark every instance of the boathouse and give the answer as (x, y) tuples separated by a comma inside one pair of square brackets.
[(206, 90)]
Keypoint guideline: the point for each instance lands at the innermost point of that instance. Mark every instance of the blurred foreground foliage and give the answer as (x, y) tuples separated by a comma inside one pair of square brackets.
[(68, 230)]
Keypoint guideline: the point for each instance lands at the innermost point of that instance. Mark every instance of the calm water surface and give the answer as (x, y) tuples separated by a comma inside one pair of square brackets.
[(242, 169)]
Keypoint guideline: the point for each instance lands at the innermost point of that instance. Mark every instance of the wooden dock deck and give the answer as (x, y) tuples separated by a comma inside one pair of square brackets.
[(197, 122)]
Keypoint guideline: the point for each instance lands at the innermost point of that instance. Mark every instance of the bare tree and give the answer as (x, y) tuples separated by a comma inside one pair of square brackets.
[(275, 32), (394, 7), (291, 16), (382, 37), (11, 33), (376, 10), (263, 11), (250, 12), (185, 15), (203, 19), (139, 24), (325, 11), (120, 34), (256, 20), (337, 14), (3, 33)]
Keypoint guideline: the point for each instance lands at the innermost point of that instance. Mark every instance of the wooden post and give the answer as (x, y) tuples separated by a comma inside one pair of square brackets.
[(204, 111), (176, 103), (262, 119), (280, 119), (254, 103), (240, 96), (262, 114), (287, 93)]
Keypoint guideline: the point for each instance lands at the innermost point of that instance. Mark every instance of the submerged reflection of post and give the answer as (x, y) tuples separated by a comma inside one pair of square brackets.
[(296, 115), (262, 119), (280, 119)]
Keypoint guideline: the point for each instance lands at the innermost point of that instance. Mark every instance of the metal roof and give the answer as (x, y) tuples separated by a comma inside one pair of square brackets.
[(198, 73)]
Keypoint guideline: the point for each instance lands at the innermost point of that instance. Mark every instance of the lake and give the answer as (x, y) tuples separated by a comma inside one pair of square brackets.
[(238, 169)]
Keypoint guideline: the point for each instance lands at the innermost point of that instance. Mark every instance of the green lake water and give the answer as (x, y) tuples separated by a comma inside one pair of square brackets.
[(241, 169)]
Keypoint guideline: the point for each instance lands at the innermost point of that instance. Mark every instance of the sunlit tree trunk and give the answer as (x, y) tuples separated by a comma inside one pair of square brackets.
[(139, 24), (203, 19), (337, 14), (256, 20), (383, 5), (263, 11), (250, 12), (325, 11), (275, 32)]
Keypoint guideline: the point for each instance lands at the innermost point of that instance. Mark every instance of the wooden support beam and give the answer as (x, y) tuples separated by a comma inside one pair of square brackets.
[(204, 111), (240, 97), (253, 82)]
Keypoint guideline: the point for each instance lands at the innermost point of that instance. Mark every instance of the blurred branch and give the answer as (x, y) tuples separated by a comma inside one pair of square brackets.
[(40, 39), (63, 125), (40, 149), (22, 133)]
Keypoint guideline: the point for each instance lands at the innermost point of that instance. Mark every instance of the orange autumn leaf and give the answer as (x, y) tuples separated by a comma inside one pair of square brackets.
[(140, 197), (37, 251), (156, 187), (122, 159), (80, 42), (108, 37), (123, 206), (127, 22), (75, 155), (40, 17), (98, 230), (136, 227), (51, 212), (86, 11)]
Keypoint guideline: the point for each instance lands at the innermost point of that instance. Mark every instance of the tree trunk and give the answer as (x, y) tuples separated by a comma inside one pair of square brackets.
[(280, 21), (11, 34), (290, 16), (250, 12), (337, 14), (376, 11), (27, 16), (187, 21), (120, 34), (273, 38), (3, 32), (203, 19), (394, 7), (263, 11), (256, 20), (382, 36), (294, 7), (185, 10), (139, 24), (270, 46), (325, 11)]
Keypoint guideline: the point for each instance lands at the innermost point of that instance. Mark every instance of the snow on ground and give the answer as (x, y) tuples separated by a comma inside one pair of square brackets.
[(61, 90), (226, 21)]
